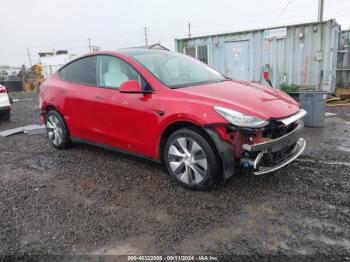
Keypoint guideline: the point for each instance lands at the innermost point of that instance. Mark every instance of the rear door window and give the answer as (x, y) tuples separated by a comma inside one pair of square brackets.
[(82, 71)]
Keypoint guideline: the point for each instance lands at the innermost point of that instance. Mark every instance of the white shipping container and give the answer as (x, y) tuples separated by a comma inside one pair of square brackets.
[(302, 55), (52, 63)]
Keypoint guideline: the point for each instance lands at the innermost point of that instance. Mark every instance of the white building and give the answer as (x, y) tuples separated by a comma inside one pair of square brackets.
[(52, 61)]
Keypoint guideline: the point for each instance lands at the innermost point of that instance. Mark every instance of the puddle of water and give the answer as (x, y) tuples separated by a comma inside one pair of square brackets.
[(343, 148), (42, 163), (316, 223), (118, 250), (301, 160), (135, 246), (345, 243), (250, 222)]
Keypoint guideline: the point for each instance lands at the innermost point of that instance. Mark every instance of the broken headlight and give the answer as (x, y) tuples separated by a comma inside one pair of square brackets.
[(240, 119)]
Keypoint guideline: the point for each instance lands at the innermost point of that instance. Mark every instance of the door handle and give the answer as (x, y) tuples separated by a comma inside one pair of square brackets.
[(99, 97)]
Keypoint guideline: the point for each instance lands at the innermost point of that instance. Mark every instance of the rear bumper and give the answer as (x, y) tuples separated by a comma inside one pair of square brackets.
[(5, 108), (4, 101)]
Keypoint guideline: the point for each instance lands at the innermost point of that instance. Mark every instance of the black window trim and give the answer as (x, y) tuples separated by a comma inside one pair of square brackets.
[(106, 87)]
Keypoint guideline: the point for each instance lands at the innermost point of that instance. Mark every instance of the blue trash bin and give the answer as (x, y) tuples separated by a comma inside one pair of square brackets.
[(314, 102)]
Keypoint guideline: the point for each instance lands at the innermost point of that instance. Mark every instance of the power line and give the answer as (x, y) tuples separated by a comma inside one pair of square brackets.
[(30, 60), (282, 11), (89, 39), (146, 37), (111, 36), (65, 43), (320, 10)]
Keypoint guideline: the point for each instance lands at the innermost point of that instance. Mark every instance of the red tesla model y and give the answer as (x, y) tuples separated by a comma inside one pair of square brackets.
[(171, 108)]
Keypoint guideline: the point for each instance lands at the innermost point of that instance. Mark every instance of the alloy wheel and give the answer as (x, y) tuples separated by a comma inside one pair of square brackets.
[(54, 130), (187, 160)]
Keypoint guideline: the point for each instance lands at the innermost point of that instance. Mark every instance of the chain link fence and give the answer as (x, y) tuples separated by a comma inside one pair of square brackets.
[(49, 70)]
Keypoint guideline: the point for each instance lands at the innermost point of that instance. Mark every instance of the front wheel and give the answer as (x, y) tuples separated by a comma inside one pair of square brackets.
[(57, 130), (5, 115), (191, 160)]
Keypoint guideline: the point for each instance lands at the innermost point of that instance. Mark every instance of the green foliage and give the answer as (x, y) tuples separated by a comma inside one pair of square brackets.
[(295, 88)]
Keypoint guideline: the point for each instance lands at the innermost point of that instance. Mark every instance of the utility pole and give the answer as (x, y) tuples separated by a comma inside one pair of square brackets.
[(189, 30), (30, 60), (320, 10), (89, 39), (146, 37)]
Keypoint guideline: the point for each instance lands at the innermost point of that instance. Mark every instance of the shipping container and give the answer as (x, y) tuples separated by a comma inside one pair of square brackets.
[(302, 55), (343, 68), (52, 61)]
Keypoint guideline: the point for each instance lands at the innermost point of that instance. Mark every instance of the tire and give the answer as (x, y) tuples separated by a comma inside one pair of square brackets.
[(5, 115), (57, 130), (191, 159)]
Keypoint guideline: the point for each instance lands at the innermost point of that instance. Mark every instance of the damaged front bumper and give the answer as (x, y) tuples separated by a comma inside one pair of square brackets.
[(296, 152), (277, 152), (259, 150)]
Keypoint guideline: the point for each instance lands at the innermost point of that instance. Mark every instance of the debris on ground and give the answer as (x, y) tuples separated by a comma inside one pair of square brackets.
[(339, 102), (332, 99), (330, 114), (342, 98), (30, 130), (22, 99)]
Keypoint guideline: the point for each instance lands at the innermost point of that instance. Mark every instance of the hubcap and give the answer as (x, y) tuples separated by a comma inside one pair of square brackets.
[(54, 130), (188, 161)]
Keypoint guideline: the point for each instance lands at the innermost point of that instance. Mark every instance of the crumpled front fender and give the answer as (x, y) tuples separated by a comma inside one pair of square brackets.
[(226, 152)]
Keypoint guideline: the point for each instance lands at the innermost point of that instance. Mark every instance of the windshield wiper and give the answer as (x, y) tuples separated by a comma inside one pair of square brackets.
[(226, 79), (200, 83)]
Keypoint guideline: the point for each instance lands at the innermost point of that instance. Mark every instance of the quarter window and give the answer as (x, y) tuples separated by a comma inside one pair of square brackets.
[(82, 71), (112, 72)]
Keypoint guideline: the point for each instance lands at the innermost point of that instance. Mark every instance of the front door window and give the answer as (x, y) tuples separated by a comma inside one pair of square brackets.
[(112, 72)]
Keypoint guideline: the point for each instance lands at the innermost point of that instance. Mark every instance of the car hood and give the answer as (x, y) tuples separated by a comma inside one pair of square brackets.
[(248, 98)]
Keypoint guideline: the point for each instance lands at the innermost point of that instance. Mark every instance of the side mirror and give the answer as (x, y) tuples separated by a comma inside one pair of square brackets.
[(130, 86)]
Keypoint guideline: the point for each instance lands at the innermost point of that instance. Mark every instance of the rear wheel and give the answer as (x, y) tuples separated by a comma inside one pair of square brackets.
[(191, 159), (57, 130)]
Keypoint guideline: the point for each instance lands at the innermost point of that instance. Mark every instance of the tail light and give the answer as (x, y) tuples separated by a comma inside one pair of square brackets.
[(2, 89)]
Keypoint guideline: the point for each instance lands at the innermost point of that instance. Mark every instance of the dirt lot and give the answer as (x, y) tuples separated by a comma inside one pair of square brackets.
[(87, 200)]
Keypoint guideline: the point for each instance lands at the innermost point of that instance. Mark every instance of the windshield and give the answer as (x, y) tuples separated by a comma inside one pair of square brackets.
[(177, 70)]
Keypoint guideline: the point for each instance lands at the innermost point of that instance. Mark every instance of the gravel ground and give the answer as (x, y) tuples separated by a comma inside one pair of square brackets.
[(86, 200)]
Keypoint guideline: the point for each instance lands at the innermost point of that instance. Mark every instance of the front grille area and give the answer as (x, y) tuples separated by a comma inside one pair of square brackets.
[(271, 159), (276, 129)]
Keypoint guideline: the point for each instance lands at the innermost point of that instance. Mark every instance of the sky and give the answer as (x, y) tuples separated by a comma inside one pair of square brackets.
[(42, 25)]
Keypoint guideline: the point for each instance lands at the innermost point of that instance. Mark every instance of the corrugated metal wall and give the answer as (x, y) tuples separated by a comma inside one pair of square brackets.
[(303, 55), (343, 69)]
